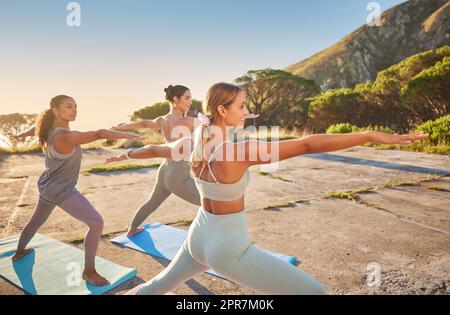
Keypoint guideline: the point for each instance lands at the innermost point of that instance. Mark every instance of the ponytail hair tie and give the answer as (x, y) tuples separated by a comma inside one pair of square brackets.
[(204, 119)]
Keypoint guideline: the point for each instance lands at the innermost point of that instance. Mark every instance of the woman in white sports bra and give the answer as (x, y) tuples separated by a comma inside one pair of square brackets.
[(218, 236)]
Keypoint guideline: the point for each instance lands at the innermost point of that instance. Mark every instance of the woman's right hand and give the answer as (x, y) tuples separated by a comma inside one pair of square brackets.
[(118, 158), (120, 127), (387, 138), (251, 116)]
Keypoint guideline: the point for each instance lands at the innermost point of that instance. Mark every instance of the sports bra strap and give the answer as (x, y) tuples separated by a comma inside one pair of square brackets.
[(209, 162), (215, 150)]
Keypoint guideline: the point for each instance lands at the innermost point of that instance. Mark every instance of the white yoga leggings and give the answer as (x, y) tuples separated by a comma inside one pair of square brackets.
[(78, 207), (222, 243), (173, 178)]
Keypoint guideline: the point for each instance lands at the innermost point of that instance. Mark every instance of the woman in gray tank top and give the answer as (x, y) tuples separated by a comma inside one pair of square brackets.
[(57, 185)]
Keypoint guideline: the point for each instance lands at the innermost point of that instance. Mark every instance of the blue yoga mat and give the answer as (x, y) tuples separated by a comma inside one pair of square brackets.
[(55, 268), (164, 242)]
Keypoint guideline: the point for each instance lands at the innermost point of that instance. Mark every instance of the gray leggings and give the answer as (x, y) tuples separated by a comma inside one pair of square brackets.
[(172, 178), (221, 242), (78, 207)]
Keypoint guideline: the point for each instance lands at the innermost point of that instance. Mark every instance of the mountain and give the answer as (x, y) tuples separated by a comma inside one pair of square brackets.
[(406, 29)]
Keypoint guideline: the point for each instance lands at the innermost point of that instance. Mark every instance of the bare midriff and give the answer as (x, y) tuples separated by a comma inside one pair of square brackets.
[(223, 207)]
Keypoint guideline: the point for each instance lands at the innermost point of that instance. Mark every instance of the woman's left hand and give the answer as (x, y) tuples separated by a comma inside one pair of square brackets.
[(387, 138), (251, 116)]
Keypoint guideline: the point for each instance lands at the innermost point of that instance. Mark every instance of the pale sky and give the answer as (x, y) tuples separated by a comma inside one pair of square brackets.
[(127, 51)]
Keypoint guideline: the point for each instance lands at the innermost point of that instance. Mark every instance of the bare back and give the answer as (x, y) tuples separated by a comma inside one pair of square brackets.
[(172, 126)]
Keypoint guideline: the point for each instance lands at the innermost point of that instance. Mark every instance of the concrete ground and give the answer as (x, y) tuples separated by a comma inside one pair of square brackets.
[(396, 230)]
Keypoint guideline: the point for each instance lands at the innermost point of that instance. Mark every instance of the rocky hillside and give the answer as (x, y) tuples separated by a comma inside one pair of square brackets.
[(405, 30)]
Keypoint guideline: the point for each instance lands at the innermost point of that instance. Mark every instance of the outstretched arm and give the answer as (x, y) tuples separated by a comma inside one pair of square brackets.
[(330, 143), (146, 123), (177, 150), (260, 152), (66, 142), (29, 133)]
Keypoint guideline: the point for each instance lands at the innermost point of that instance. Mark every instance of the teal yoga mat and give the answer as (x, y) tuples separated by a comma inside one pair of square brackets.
[(55, 268), (164, 242)]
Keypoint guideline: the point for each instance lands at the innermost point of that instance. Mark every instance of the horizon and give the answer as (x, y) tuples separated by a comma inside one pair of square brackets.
[(125, 53)]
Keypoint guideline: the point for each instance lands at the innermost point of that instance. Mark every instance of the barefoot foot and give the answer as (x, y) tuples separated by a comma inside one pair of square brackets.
[(94, 278), (22, 253), (133, 232)]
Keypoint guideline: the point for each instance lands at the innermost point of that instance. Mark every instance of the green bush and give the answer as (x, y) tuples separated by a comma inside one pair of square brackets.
[(349, 128), (439, 130), (437, 143), (377, 128), (31, 149), (151, 112), (131, 144), (341, 128)]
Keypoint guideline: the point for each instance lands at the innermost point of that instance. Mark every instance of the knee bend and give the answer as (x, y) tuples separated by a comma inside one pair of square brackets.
[(96, 224)]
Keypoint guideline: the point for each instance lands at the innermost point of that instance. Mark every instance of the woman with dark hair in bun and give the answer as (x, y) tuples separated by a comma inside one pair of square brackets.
[(173, 176)]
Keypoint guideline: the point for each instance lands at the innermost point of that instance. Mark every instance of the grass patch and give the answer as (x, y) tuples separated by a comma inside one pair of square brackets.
[(435, 188), (340, 195), (34, 149), (410, 184), (414, 147), (77, 241), (347, 195), (80, 239), (430, 179), (372, 205), (280, 178), (287, 204), (398, 184), (118, 168), (184, 222), (131, 145), (277, 177)]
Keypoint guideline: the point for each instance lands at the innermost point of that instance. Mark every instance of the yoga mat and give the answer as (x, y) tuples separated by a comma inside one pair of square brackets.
[(55, 268), (164, 242)]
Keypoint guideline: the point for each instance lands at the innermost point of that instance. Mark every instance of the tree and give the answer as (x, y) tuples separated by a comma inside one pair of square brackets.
[(384, 105), (337, 106), (14, 124), (278, 96), (163, 108), (152, 111), (428, 93), (412, 66), (196, 108)]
